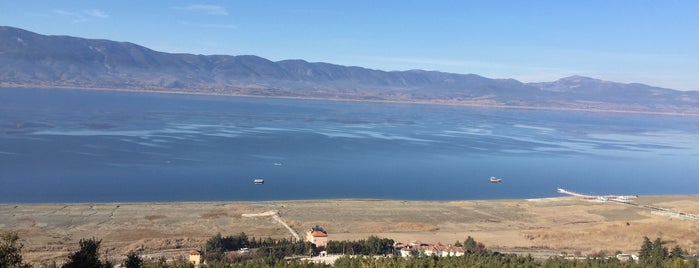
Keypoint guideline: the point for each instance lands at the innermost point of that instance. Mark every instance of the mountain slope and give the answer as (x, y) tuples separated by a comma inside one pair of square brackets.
[(30, 59), (585, 89)]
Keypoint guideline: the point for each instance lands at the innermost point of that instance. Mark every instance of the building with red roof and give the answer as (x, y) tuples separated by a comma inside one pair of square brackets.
[(318, 236)]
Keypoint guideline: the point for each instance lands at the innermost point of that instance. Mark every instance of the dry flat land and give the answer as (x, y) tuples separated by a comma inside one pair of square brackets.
[(550, 225)]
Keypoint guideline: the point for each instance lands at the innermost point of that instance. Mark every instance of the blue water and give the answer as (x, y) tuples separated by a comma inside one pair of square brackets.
[(91, 146)]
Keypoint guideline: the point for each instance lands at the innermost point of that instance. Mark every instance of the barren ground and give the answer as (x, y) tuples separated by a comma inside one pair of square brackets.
[(538, 226)]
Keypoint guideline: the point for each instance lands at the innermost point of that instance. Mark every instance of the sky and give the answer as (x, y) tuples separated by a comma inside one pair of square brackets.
[(650, 42)]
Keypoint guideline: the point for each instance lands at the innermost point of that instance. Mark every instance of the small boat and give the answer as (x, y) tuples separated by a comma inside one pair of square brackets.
[(258, 181), (495, 180)]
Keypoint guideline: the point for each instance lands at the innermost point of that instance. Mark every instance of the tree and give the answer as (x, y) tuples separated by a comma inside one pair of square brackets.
[(676, 252), (659, 252), (652, 254), (470, 243), (646, 249), (213, 250), (600, 254), (242, 241), (132, 260), (458, 244), (11, 251), (479, 249), (87, 256)]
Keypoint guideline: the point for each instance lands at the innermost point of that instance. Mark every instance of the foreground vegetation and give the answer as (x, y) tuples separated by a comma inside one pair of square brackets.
[(285, 253)]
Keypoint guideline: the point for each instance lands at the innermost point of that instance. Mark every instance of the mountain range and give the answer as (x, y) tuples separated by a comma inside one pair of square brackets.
[(29, 59)]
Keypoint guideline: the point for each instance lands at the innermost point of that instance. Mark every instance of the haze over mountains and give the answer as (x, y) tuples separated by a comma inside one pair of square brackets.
[(28, 59)]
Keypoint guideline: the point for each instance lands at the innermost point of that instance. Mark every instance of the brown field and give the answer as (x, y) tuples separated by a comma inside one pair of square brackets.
[(539, 226)]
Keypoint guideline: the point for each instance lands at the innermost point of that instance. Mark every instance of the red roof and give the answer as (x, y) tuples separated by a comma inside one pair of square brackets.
[(194, 252), (318, 234)]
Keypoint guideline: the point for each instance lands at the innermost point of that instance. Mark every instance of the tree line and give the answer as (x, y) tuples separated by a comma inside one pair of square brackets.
[(220, 249), (371, 246), (275, 253)]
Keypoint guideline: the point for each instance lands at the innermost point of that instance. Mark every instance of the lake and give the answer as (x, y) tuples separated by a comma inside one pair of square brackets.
[(99, 146)]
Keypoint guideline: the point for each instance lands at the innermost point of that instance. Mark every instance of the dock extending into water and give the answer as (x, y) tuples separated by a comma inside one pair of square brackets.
[(627, 200)]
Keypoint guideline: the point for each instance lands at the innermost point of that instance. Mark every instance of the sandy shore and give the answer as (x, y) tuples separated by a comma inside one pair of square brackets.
[(550, 226)]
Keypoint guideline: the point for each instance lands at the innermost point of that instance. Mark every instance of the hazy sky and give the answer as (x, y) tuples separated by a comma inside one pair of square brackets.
[(652, 42)]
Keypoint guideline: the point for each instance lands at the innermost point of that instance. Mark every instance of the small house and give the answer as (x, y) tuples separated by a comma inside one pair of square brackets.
[(318, 236), (195, 257)]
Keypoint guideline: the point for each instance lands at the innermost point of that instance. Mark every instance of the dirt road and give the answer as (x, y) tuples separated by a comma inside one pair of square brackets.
[(51, 231), (275, 216)]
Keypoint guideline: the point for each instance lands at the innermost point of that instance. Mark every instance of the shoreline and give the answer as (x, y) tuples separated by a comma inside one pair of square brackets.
[(51, 231), (322, 200), (281, 201), (415, 102)]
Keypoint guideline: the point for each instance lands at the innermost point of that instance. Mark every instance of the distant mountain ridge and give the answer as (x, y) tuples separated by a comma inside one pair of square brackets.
[(30, 59)]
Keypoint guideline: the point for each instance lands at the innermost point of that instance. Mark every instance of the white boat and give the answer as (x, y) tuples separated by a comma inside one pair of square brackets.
[(258, 181), (495, 180)]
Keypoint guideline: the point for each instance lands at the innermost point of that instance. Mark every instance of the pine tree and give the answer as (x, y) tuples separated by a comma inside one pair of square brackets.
[(659, 251), (11, 251), (132, 260), (87, 256), (652, 254), (470, 243), (646, 249), (214, 248), (676, 252)]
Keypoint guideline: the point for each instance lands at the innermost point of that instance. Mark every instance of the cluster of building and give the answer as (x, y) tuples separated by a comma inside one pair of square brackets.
[(417, 248), (316, 235), (319, 236)]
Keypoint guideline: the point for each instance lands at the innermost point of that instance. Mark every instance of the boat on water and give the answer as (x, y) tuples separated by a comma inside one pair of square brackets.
[(258, 181), (495, 180)]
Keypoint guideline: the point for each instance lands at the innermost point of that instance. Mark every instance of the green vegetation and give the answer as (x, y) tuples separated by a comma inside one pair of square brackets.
[(217, 246), (163, 263), (11, 251), (276, 253), (87, 256), (132, 260), (471, 245), (372, 246), (271, 262), (656, 255)]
